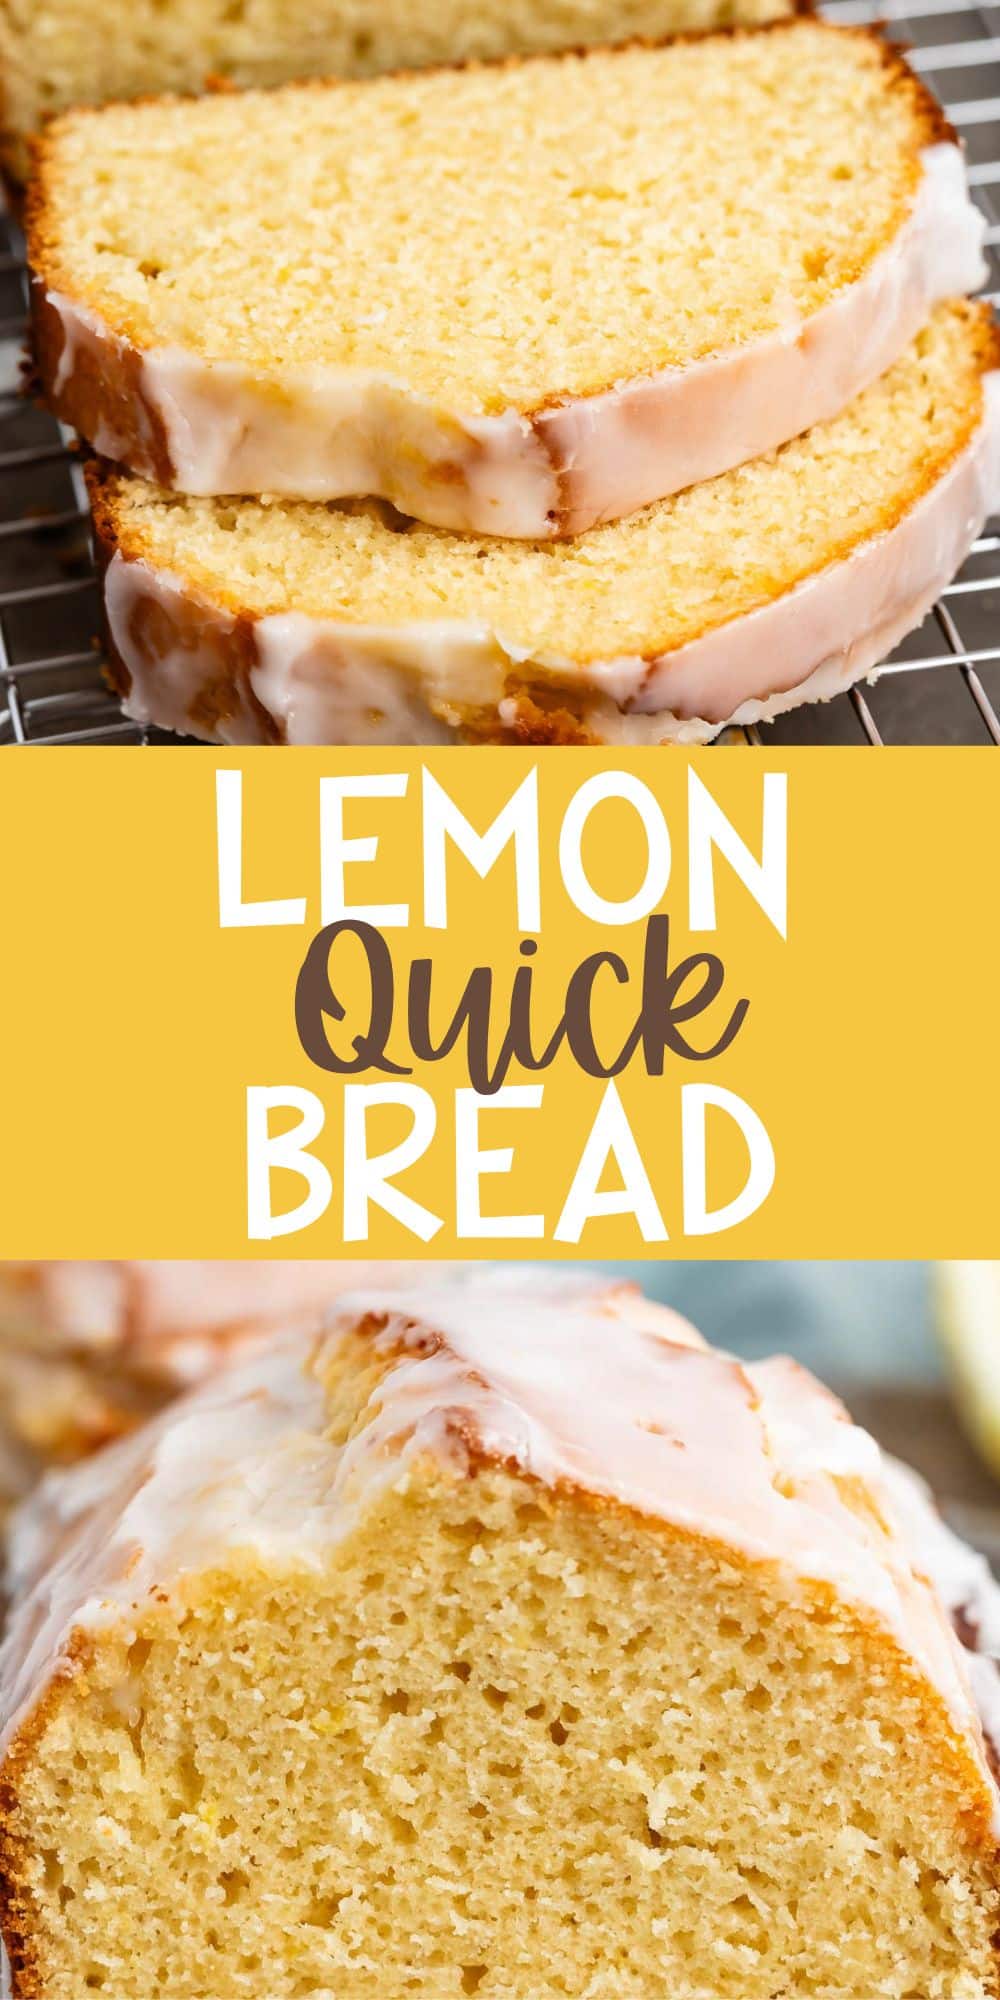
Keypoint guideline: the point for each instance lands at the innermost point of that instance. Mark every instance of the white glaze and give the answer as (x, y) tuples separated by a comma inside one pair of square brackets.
[(963, 1581), (578, 1383), (326, 433), (326, 682)]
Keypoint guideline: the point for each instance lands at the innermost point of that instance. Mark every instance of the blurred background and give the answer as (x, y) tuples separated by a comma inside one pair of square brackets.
[(913, 1349)]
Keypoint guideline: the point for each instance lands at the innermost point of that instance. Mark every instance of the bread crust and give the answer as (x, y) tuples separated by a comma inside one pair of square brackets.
[(18, 1927), (107, 389)]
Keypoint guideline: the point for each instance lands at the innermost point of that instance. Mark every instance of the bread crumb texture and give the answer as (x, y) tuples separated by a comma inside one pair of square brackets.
[(497, 236), (508, 1742), (632, 588)]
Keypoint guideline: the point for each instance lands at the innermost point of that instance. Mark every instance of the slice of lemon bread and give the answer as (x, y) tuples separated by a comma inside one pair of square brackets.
[(88, 1350), (268, 621), (515, 300), (521, 1646), (53, 55)]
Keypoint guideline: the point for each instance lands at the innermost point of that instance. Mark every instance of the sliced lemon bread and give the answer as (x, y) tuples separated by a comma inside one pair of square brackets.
[(268, 621), (513, 300), (53, 55), (521, 1645), (87, 1350)]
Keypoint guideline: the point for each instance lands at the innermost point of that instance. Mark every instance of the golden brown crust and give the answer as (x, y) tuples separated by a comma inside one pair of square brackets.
[(101, 392), (18, 1918)]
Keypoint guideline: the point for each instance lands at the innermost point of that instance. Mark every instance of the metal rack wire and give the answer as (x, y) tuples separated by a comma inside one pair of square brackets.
[(942, 686)]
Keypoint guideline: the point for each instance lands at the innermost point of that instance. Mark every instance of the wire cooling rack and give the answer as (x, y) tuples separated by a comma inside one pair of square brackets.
[(942, 686)]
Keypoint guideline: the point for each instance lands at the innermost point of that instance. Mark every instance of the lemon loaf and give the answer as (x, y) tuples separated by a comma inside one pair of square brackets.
[(268, 621), (520, 1645), (89, 1349), (514, 300), (53, 55)]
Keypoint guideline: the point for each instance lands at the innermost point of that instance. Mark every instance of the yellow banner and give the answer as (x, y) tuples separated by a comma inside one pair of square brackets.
[(575, 1004)]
